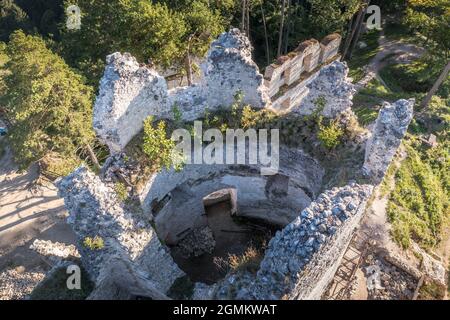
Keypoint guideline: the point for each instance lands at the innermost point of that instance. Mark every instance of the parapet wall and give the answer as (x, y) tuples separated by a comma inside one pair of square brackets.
[(130, 248), (390, 128), (287, 78)]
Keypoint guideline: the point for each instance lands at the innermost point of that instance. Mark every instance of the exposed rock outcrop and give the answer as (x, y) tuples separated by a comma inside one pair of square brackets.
[(390, 128)]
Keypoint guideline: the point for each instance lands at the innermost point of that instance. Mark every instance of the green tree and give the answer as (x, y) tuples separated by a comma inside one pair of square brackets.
[(46, 102), (431, 19), (12, 17), (148, 30)]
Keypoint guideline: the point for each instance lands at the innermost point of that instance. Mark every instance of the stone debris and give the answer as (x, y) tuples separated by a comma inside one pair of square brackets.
[(16, 283), (56, 251), (203, 291), (393, 283), (197, 242), (432, 267), (390, 128)]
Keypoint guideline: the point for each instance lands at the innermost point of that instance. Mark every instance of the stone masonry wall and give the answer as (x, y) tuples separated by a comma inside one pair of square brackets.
[(130, 92), (287, 78), (302, 258), (95, 211), (390, 128)]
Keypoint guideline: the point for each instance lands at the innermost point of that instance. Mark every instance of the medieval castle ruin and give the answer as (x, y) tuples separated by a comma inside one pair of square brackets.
[(314, 226)]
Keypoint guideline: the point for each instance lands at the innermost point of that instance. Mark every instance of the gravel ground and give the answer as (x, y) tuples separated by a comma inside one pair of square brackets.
[(16, 283)]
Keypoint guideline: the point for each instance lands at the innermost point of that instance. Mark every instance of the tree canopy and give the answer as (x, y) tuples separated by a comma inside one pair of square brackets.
[(48, 104)]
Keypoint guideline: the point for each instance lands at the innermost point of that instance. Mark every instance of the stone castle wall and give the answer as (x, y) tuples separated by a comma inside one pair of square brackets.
[(130, 92), (302, 257), (287, 79)]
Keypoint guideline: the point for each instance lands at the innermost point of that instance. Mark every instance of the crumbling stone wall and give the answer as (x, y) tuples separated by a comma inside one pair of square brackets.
[(130, 92), (390, 127), (288, 78), (302, 258), (330, 84), (95, 211), (175, 198)]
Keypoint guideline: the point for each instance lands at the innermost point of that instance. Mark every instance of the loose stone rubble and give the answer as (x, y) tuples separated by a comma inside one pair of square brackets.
[(56, 251), (17, 283), (197, 242), (394, 282), (431, 266)]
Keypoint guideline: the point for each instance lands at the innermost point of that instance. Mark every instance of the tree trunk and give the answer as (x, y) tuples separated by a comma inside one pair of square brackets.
[(93, 157), (280, 35), (248, 19), (288, 25), (356, 25), (348, 36), (436, 86), (187, 66), (244, 5), (358, 29), (265, 33), (187, 61)]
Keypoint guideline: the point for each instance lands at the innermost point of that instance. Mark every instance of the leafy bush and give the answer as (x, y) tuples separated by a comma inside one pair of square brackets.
[(156, 145), (330, 135), (121, 191), (95, 243)]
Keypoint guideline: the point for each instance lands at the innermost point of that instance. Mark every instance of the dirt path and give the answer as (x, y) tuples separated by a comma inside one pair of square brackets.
[(28, 211), (400, 52)]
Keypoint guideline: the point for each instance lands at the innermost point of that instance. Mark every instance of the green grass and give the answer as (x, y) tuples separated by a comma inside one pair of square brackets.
[(396, 30), (367, 102), (54, 287), (419, 205), (362, 57), (413, 78)]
